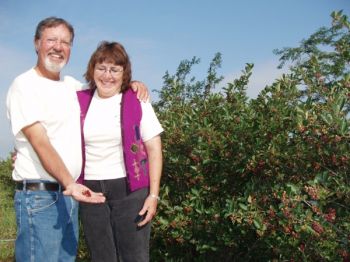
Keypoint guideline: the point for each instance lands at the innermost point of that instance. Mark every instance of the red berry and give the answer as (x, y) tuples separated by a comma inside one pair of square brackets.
[(86, 193)]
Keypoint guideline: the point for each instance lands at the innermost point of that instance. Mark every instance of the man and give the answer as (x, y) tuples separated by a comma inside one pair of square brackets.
[(45, 120)]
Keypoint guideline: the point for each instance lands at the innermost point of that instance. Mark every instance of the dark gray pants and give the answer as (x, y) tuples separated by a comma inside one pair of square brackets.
[(110, 229)]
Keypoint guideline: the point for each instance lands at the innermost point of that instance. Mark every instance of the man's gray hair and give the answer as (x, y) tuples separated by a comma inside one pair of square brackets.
[(53, 21)]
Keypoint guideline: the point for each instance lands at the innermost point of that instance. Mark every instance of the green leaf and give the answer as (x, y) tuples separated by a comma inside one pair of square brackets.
[(327, 117), (292, 188), (257, 223), (243, 206), (344, 128)]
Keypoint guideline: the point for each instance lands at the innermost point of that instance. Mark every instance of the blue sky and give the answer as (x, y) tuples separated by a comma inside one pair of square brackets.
[(158, 34)]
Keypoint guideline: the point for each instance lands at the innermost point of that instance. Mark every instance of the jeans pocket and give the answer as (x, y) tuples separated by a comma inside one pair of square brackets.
[(40, 200)]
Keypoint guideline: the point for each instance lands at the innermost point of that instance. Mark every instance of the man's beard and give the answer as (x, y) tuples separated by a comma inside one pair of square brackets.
[(53, 67)]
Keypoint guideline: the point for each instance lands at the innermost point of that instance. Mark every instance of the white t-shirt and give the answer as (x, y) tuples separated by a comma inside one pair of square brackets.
[(32, 98), (102, 134)]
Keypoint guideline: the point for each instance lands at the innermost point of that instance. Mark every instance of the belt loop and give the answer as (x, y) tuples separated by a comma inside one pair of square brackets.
[(24, 185)]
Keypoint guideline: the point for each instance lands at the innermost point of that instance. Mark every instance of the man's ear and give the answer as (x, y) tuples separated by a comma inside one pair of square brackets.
[(36, 45)]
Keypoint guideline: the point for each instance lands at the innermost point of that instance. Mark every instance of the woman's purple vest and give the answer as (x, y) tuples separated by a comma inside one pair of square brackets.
[(135, 155)]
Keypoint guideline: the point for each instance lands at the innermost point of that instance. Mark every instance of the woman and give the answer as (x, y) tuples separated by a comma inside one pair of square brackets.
[(122, 158)]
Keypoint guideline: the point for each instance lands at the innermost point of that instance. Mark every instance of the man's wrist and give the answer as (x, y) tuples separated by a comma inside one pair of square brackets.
[(69, 185)]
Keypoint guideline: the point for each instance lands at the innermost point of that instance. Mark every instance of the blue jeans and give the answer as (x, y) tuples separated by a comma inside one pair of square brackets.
[(47, 226)]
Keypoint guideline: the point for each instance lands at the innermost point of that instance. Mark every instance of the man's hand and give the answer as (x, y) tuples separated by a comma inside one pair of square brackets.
[(13, 158), (141, 89), (83, 194), (149, 209)]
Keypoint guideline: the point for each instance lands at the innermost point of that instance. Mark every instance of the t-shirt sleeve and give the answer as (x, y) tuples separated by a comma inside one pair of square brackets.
[(150, 125), (75, 84), (23, 107)]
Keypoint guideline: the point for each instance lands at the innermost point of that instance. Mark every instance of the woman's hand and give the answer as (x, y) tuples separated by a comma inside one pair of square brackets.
[(149, 209)]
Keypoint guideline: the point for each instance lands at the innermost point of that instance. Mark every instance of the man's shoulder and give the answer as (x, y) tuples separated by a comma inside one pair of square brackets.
[(22, 80), (25, 75), (73, 83)]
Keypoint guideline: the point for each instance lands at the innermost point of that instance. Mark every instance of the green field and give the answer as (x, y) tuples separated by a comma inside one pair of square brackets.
[(7, 214)]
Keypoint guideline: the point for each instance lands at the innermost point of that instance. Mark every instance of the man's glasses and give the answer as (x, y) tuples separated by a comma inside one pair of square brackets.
[(54, 41)]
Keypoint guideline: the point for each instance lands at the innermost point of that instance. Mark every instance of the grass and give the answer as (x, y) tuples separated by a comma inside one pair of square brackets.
[(7, 213)]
